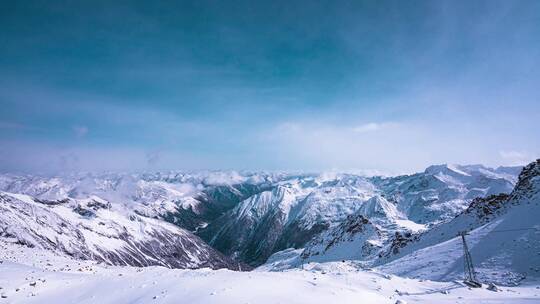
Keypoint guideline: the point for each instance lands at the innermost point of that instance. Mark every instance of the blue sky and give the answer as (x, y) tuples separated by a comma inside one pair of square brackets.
[(286, 85)]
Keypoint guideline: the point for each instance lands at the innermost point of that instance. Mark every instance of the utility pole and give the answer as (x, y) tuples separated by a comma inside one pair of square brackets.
[(469, 273), (302, 260)]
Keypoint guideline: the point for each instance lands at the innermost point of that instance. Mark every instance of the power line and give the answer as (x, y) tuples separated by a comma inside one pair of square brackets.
[(516, 229), (505, 230)]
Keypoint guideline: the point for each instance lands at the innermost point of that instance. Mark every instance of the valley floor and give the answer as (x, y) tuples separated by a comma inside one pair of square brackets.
[(33, 276)]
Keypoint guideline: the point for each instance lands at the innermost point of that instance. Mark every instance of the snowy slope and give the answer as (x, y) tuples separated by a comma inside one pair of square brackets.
[(504, 239), (94, 229), (32, 276)]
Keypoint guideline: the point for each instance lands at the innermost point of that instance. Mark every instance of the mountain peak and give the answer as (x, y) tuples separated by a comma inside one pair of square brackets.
[(446, 169), (528, 183)]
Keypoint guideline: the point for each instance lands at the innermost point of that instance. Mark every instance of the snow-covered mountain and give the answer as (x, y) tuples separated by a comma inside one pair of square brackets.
[(442, 191), (298, 210), (250, 216), (503, 236), (206, 194), (288, 215), (94, 229)]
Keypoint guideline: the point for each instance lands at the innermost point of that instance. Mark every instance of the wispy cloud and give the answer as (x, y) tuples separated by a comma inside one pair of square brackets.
[(347, 148), (515, 158), (80, 131), (372, 126)]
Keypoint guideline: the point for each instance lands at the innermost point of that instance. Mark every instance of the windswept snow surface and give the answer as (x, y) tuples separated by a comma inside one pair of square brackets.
[(35, 276)]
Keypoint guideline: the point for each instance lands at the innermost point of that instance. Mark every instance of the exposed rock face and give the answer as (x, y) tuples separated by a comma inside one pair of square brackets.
[(489, 206), (355, 237), (399, 241), (528, 185), (90, 229)]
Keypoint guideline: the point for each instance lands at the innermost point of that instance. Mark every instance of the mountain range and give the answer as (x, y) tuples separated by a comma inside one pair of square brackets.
[(226, 219)]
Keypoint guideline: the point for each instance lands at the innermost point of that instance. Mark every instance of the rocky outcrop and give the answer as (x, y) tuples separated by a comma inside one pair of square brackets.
[(355, 238)]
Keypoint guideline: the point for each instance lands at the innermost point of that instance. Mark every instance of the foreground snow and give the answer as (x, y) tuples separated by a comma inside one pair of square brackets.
[(32, 276)]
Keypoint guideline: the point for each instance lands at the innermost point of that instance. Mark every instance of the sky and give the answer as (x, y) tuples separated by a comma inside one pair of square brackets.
[(353, 86)]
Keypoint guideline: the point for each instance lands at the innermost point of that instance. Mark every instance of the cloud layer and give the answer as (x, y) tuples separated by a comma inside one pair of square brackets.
[(268, 85)]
